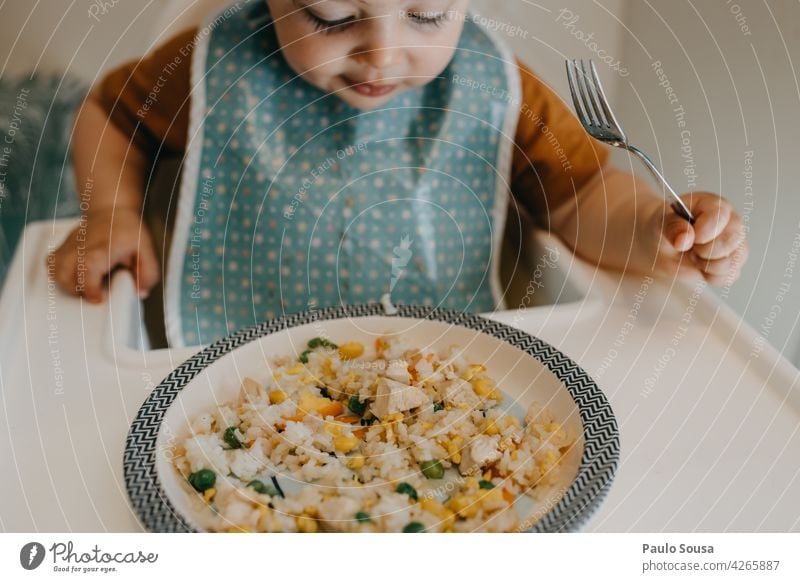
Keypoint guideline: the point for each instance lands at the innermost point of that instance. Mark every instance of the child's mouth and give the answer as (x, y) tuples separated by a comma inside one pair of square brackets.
[(369, 89)]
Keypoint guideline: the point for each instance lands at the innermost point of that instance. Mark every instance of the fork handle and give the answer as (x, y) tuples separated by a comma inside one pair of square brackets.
[(678, 205)]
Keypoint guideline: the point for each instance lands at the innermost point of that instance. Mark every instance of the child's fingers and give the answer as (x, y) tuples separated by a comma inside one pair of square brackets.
[(726, 243), (97, 267), (725, 265), (678, 233), (65, 270), (145, 270), (712, 214)]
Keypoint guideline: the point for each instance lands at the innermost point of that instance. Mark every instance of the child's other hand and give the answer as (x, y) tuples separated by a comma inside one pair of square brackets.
[(92, 251), (716, 245)]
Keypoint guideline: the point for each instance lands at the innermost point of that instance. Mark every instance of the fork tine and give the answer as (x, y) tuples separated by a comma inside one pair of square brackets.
[(577, 98), (614, 124), (590, 96), (590, 76)]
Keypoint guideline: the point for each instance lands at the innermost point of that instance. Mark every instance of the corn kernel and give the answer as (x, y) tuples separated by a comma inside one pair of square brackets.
[(490, 497), (326, 367), (311, 510), (482, 386), (464, 506), (345, 443), (456, 458), (351, 350), (309, 402), (356, 462), (306, 525), (491, 429), (277, 375), (473, 370), (277, 396), (333, 428), (429, 504), (208, 494), (295, 370)]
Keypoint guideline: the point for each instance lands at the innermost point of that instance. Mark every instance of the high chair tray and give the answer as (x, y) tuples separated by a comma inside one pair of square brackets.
[(708, 410)]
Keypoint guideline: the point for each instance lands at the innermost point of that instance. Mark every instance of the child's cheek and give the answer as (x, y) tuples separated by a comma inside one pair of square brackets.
[(313, 56)]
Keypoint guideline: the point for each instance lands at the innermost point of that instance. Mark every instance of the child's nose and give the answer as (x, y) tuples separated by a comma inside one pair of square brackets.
[(377, 49), (378, 58)]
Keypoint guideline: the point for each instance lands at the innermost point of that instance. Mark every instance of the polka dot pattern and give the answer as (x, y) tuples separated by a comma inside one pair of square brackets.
[(303, 201)]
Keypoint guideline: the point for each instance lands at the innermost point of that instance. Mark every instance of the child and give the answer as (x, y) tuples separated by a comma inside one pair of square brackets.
[(341, 149)]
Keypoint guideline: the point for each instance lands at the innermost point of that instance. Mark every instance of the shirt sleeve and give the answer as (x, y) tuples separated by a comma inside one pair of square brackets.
[(147, 98), (554, 156)]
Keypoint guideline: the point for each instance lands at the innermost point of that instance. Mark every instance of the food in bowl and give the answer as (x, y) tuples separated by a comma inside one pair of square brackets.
[(388, 437)]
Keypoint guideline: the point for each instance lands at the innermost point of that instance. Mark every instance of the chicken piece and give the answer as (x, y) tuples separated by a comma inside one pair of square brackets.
[(398, 370), (457, 392), (481, 451), (393, 397)]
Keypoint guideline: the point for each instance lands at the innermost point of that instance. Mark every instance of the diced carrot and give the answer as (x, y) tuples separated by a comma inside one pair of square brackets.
[(348, 419), (360, 432), (412, 371), (508, 496), (296, 418)]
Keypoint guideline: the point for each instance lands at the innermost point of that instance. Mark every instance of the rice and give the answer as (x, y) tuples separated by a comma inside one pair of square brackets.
[(358, 438)]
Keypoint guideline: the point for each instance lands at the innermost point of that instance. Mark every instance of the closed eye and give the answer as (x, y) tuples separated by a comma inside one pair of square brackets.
[(428, 19), (322, 25)]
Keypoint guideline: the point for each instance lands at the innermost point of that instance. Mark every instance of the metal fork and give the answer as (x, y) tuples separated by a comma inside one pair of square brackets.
[(597, 118)]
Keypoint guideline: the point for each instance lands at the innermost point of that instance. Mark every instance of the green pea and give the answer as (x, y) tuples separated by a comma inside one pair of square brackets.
[(484, 484), (202, 479), (356, 405), (408, 490), (321, 342), (437, 406), (263, 488), (414, 527), (432, 469), (231, 439), (363, 517), (304, 356)]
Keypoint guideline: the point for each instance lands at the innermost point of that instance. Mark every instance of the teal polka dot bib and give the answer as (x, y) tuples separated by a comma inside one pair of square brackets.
[(292, 200)]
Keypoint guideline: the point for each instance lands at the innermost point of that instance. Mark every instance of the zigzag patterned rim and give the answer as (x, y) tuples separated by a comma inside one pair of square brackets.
[(598, 463)]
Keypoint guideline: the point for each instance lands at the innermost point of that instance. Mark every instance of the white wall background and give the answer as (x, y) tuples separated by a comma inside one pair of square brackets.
[(738, 86)]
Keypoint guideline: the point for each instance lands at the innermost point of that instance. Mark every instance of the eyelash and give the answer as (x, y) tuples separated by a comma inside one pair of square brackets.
[(436, 21), (328, 26), (331, 26)]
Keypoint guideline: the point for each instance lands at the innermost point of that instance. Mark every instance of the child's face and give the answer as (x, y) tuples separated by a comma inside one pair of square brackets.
[(368, 51)]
